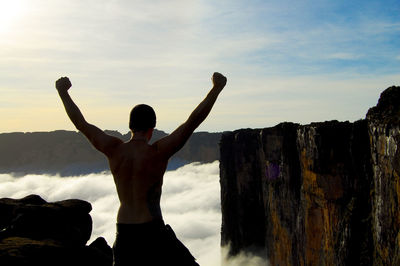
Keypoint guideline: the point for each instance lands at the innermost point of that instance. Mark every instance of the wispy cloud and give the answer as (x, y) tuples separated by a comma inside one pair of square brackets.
[(343, 56)]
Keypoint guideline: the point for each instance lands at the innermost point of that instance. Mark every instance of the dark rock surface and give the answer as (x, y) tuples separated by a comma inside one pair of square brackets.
[(320, 194), (35, 232)]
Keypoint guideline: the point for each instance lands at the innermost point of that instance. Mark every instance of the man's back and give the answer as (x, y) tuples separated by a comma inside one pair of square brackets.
[(138, 169)]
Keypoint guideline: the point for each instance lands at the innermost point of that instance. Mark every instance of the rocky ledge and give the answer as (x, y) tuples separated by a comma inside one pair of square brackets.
[(320, 194), (35, 232)]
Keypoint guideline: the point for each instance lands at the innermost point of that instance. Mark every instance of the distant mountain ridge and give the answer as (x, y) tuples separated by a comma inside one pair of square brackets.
[(69, 152)]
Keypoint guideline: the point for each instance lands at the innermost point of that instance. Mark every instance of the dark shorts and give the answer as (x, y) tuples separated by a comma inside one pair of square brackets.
[(152, 243)]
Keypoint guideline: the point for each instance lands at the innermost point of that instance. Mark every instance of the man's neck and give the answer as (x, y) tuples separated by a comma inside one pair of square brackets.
[(140, 136)]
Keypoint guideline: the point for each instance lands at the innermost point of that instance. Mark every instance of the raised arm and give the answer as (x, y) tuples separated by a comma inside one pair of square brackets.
[(177, 139), (99, 139)]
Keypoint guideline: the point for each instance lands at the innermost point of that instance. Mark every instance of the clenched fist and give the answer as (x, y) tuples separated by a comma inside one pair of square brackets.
[(218, 80), (63, 84)]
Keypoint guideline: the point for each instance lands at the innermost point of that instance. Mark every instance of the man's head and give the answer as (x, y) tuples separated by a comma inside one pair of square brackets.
[(142, 118)]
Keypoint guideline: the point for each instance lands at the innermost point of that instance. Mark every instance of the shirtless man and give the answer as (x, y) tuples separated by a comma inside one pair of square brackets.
[(138, 169)]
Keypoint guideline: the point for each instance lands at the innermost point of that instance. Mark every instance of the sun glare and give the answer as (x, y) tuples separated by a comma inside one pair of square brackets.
[(10, 11)]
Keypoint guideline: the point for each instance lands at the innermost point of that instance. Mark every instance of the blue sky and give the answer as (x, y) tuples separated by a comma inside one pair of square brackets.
[(298, 61)]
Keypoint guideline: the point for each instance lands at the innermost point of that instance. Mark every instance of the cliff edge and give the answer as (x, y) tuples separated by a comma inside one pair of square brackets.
[(320, 194)]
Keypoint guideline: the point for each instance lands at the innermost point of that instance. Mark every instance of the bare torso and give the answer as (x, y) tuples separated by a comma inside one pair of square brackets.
[(138, 170)]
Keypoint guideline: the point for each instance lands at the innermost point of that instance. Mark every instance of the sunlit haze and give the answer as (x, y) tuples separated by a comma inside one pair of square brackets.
[(10, 13), (299, 61)]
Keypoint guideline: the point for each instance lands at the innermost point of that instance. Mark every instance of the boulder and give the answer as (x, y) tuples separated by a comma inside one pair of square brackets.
[(35, 232)]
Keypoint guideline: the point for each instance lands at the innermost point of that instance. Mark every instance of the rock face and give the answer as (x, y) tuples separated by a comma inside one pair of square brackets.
[(384, 131), (319, 194), (39, 233)]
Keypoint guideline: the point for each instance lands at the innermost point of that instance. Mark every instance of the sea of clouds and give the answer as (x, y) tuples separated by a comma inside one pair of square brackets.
[(190, 203)]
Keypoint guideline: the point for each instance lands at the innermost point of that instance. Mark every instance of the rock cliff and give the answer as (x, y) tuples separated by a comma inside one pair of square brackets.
[(320, 194), (35, 232)]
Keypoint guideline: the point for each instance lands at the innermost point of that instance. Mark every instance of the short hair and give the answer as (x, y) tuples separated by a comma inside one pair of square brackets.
[(142, 118)]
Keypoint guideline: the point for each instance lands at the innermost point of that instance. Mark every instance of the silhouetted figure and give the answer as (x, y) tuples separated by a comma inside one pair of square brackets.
[(138, 169)]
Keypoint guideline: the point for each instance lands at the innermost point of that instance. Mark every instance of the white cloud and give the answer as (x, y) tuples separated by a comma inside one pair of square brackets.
[(190, 204), (242, 259)]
